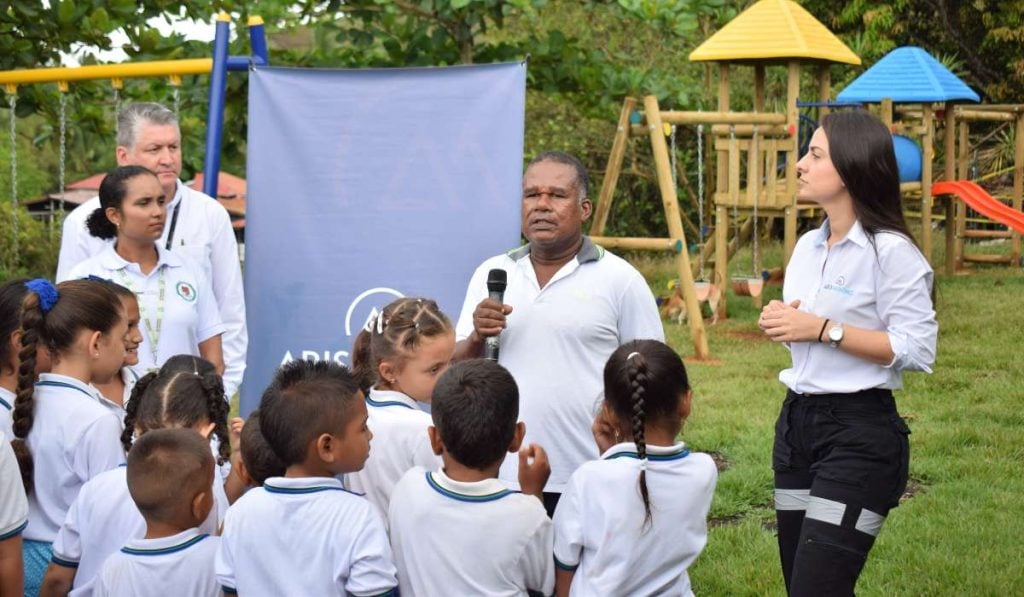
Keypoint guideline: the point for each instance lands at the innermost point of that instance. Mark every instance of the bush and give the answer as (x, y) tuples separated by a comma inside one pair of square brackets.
[(36, 251)]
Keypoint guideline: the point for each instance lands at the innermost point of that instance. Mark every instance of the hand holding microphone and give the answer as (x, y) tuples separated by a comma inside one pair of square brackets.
[(489, 315)]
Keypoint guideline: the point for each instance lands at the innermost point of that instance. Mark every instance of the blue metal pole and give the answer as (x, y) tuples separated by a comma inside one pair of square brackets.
[(258, 41), (215, 111)]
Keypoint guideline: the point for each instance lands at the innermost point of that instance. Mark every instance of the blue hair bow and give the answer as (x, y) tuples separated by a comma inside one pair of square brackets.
[(46, 292)]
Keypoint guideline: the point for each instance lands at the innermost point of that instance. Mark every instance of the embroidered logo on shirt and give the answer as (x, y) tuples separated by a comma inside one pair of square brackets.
[(839, 286), (186, 291)]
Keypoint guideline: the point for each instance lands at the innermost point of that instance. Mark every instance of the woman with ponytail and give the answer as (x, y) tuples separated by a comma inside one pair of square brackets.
[(186, 392), (64, 435), (632, 522), (178, 310)]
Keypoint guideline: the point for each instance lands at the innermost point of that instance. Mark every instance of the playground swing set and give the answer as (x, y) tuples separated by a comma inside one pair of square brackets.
[(762, 184)]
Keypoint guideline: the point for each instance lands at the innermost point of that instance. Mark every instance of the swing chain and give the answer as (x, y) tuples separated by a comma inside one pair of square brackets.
[(12, 103), (735, 206), (672, 141), (63, 156), (177, 102), (700, 193), (753, 232)]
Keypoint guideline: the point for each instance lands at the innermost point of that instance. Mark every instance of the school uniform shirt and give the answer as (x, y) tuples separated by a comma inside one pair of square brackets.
[(599, 522), (557, 341), (181, 564), (7, 412), (881, 285), (13, 504), (189, 308), (73, 439), (400, 442), (458, 538), (102, 518), (202, 233), (304, 536), (129, 378)]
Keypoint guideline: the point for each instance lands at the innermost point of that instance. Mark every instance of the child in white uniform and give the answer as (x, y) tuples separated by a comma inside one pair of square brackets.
[(409, 346), (632, 522), (303, 534), (178, 309), (118, 389), (64, 434), (186, 392), (170, 472), (459, 530), (11, 295), (13, 518), (259, 462)]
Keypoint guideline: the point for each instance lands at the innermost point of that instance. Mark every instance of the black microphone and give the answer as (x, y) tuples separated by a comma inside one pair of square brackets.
[(497, 280)]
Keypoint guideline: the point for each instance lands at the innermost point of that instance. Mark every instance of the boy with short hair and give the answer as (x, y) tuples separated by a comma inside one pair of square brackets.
[(303, 534), (459, 530), (170, 472), (259, 462)]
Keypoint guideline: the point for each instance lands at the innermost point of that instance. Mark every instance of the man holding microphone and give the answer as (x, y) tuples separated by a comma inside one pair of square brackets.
[(567, 306)]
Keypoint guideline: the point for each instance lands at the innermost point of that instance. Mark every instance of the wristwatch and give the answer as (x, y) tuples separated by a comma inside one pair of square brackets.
[(835, 335)]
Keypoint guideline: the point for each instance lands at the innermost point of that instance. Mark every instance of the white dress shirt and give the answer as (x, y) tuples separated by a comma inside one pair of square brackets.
[(883, 285), (203, 232)]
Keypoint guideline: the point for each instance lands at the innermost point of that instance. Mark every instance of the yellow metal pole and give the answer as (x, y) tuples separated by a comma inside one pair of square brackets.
[(128, 70)]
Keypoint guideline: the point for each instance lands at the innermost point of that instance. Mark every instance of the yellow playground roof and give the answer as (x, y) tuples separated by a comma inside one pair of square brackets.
[(773, 30)]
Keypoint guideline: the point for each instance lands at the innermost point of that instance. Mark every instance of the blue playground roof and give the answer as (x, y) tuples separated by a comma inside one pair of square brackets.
[(909, 75)]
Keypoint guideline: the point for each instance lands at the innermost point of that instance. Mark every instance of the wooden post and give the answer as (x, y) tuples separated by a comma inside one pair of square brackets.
[(962, 166), (759, 88), (928, 154), (793, 121), (949, 173), (886, 112), (824, 88), (611, 172), (675, 225), (721, 276), (1018, 184)]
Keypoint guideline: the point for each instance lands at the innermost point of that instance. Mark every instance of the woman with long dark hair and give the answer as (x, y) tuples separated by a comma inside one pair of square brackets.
[(856, 312)]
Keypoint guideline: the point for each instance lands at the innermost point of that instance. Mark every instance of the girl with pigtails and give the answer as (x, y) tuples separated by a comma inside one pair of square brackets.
[(64, 436), (398, 361), (632, 522), (185, 392)]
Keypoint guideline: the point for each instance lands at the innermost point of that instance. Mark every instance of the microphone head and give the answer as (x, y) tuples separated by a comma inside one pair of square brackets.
[(497, 280)]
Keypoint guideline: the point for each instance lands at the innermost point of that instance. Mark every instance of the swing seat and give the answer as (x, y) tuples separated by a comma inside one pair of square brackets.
[(702, 289), (748, 286)]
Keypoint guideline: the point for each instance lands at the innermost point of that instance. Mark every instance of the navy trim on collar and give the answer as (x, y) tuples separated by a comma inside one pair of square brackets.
[(5, 404), (462, 497), (134, 551)]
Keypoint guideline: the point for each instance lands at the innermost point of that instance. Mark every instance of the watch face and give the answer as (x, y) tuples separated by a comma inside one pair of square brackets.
[(835, 334)]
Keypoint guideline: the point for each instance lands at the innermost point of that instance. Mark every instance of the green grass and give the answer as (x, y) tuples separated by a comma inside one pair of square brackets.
[(959, 533)]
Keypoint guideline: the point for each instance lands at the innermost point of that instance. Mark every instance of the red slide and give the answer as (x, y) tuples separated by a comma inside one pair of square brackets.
[(983, 203)]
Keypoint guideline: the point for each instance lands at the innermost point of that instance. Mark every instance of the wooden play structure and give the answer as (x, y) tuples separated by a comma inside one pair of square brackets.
[(755, 151), (914, 94)]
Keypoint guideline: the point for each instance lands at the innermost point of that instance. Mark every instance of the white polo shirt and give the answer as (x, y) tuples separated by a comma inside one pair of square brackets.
[(400, 442), (7, 412), (13, 504), (884, 285), (98, 524), (130, 378), (189, 307), (73, 439), (203, 233), (557, 341), (455, 538), (181, 564), (599, 522), (304, 536)]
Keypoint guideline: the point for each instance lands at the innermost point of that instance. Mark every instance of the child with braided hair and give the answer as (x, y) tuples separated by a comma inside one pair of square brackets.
[(187, 393), (64, 436), (410, 344), (638, 541), (12, 293)]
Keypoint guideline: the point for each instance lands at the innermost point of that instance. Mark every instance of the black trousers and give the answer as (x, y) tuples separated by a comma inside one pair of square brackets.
[(841, 463)]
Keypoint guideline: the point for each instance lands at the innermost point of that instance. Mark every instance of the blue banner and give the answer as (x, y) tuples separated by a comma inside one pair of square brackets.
[(367, 185)]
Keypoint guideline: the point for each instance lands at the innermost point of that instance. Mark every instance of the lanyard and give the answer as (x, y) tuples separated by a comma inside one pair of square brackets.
[(174, 224), (152, 331)]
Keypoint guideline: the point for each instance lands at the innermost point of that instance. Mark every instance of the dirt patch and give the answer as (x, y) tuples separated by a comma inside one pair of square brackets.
[(748, 335), (721, 463), (914, 487), (721, 521), (770, 524)]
